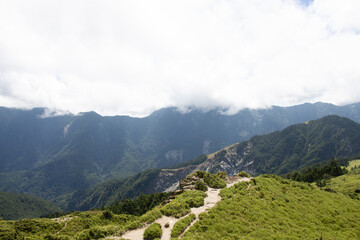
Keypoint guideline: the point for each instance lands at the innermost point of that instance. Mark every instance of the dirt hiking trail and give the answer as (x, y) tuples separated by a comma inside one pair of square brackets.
[(210, 201)]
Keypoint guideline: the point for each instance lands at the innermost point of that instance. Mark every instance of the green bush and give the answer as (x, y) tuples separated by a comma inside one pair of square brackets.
[(243, 174), (181, 225), (133, 225), (107, 214), (221, 175), (175, 209), (153, 231), (200, 173), (201, 186), (96, 232), (192, 198), (151, 216), (214, 181), (181, 205)]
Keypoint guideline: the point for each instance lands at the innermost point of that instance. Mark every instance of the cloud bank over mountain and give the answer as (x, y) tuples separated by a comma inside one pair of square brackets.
[(132, 57)]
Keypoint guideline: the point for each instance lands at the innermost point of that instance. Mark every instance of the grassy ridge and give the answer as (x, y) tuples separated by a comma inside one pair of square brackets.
[(274, 208)]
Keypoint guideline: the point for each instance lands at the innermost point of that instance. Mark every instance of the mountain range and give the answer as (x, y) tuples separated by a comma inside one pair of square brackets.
[(58, 155), (293, 148)]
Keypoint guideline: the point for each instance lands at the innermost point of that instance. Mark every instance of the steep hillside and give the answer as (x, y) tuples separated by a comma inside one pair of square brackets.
[(17, 206), (52, 156), (291, 149)]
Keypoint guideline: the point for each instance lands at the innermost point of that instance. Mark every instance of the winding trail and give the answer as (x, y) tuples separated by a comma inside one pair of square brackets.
[(210, 201)]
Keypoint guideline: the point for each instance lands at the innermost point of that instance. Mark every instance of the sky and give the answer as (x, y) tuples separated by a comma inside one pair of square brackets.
[(133, 57)]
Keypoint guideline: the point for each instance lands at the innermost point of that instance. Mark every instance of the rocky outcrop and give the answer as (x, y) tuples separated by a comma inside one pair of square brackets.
[(168, 179), (189, 182)]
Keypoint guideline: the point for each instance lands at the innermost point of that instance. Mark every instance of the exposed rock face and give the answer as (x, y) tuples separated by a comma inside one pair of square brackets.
[(228, 160), (168, 179)]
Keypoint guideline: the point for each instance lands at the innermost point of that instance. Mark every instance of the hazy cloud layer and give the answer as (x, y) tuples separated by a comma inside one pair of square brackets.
[(132, 57)]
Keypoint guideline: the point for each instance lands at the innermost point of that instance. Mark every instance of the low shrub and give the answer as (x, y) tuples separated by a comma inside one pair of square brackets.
[(181, 225), (243, 174), (214, 181), (96, 232), (181, 205), (153, 231), (107, 214), (175, 209), (151, 216), (192, 198), (201, 186), (133, 225), (200, 173), (221, 174), (36, 225)]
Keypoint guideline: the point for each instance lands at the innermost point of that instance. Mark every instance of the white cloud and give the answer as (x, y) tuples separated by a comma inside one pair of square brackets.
[(132, 57)]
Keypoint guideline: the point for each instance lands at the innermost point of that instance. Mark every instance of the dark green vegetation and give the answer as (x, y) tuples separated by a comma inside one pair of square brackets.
[(58, 155), (107, 193), (181, 225), (320, 174), (17, 206), (270, 207), (153, 231), (181, 205), (139, 205), (293, 148)]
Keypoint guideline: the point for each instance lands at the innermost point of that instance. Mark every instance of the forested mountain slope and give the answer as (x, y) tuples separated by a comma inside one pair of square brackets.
[(18, 206)]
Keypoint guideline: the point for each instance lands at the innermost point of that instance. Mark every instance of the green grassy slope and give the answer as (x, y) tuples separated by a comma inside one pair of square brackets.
[(348, 184), (17, 206), (274, 208)]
